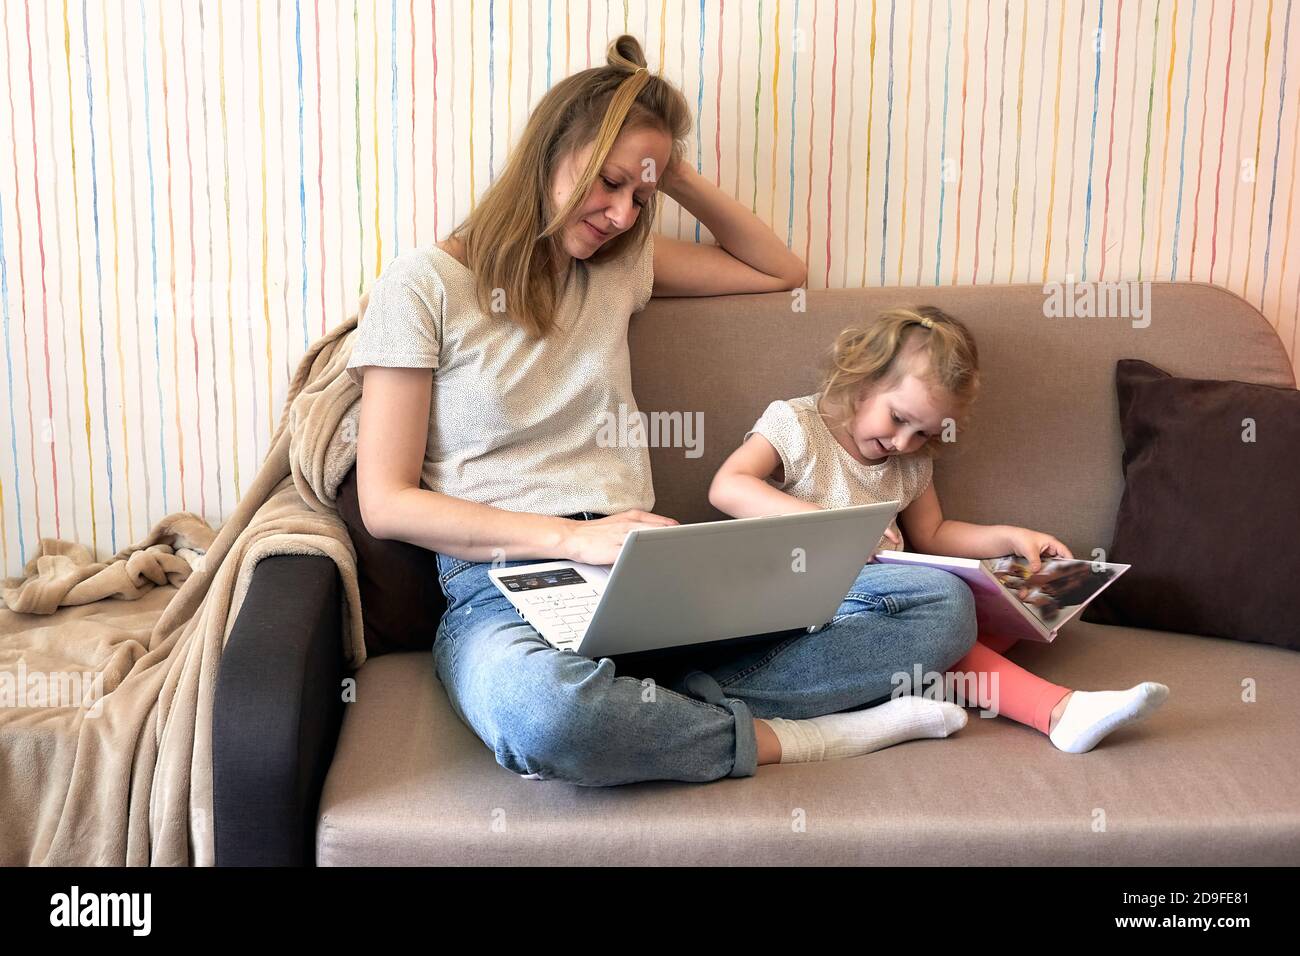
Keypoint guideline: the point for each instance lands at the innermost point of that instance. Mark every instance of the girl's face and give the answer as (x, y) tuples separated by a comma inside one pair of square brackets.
[(896, 422), (622, 187)]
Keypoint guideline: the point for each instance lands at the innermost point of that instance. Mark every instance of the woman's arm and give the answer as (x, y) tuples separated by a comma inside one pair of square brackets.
[(739, 488), (391, 439), (748, 256)]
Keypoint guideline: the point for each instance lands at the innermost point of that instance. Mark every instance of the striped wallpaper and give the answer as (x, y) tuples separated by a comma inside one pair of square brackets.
[(191, 192)]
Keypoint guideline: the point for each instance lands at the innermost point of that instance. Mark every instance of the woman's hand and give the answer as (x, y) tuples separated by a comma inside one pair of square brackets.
[(1031, 544), (670, 178), (600, 541), (747, 256)]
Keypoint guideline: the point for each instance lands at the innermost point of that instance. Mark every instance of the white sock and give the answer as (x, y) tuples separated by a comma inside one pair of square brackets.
[(864, 731), (1091, 715)]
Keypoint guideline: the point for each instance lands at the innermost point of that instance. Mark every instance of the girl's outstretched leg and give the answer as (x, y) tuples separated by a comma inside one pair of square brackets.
[(1074, 721), (1015, 692)]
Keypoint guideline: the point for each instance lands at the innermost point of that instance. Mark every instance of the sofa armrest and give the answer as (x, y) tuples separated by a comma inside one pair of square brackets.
[(278, 709)]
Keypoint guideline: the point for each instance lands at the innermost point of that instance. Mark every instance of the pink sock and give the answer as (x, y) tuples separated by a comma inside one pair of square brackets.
[(1022, 696)]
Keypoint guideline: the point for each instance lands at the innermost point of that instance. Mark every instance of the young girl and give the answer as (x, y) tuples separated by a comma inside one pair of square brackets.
[(868, 435)]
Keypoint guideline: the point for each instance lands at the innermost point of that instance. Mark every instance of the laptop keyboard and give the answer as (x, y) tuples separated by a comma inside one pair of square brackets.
[(564, 615)]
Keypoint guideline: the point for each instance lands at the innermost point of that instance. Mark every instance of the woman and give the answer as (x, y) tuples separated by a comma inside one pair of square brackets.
[(488, 362)]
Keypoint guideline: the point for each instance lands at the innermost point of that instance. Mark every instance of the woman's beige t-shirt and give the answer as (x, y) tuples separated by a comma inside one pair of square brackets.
[(821, 470), (514, 422)]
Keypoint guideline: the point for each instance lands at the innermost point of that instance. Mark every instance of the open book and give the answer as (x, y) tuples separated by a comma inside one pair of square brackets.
[(1012, 602)]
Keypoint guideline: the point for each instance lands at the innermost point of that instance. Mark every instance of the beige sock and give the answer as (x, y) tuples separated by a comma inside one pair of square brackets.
[(864, 731)]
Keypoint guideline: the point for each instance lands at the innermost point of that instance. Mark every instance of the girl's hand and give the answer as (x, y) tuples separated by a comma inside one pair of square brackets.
[(894, 540), (1031, 544)]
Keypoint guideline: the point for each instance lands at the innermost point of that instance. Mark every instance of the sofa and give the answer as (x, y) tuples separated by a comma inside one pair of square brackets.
[(391, 776)]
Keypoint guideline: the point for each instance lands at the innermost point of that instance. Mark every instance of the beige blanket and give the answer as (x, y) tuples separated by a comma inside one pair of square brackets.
[(108, 670)]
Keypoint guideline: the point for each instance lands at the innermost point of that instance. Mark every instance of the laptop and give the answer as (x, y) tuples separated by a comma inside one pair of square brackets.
[(697, 583)]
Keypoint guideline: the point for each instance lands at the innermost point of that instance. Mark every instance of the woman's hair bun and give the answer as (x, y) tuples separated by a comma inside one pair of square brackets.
[(626, 52)]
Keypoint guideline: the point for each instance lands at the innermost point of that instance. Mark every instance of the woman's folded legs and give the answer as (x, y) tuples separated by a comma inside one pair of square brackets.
[(560, 715)]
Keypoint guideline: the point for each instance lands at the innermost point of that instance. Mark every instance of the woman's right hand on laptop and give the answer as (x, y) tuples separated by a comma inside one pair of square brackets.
[(600, 540)]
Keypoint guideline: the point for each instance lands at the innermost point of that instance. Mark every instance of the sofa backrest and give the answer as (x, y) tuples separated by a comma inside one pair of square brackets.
[(1043, 449)]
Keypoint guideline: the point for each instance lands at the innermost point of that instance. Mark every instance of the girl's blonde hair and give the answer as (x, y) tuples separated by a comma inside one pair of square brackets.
[(511, 237), (875, 356)]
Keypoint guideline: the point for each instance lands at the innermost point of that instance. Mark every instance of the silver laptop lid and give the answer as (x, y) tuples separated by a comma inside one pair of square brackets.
[(690, 584)]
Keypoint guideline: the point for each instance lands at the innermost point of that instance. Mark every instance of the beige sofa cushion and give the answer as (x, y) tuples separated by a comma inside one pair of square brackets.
[(1208, 779)]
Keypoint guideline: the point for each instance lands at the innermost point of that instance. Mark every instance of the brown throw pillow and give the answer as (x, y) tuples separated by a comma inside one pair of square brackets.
[(1208, 518), (401, 600)]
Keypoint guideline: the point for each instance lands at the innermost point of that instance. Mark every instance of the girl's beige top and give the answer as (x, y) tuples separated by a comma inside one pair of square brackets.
[(516, 422), (819, 469)]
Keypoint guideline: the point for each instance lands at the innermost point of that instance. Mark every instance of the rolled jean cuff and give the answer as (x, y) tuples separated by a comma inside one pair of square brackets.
[(704, 686)]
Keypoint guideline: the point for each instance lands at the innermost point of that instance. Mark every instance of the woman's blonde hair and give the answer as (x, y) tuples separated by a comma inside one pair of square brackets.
[(511, 238), (875, 356)]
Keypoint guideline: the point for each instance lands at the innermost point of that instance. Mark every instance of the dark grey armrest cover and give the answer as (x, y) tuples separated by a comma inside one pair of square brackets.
[(279, 705)]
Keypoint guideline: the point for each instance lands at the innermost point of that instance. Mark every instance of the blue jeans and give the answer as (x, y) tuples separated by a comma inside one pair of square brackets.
[(567, 717)]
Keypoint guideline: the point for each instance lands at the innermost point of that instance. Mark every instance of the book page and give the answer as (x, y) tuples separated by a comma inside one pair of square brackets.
[(1058, 590)]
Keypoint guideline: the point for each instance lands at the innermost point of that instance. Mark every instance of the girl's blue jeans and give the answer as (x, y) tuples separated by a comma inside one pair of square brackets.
[(563, 716)]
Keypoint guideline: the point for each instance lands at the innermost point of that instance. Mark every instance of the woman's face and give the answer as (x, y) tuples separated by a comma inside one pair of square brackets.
[(622, 187)]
